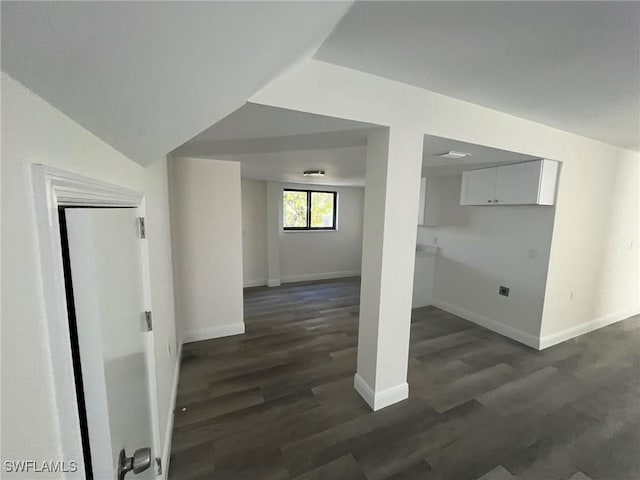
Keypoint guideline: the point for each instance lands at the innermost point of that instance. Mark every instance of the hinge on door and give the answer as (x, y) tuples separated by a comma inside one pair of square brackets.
[(158, 466), (141, 230), (147, 318)]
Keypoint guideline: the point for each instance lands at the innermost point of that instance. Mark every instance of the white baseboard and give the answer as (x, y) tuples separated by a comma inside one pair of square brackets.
[(274, 282), (513, 333), (381, 399), (569, 333), (168, 434), (213, 332), (307, 277), (254, 283)]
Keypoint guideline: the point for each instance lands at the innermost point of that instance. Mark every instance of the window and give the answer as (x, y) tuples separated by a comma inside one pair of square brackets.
[(309, 210)]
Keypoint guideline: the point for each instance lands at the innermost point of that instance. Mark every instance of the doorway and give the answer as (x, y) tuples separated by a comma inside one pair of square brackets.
[(95, 267)]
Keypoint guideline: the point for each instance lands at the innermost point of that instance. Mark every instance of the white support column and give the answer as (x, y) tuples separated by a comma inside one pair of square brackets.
[(274, 220), (392, 190)]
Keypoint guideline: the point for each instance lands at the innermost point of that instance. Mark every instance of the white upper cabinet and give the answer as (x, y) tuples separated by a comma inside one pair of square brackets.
[(518, 183), (527, 183), (478, 187)]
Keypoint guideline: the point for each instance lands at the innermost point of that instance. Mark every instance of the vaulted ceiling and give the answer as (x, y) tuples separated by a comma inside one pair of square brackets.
[(147, 76), (571, 65)]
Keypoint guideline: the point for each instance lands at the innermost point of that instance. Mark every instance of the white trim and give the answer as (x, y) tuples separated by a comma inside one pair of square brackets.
[(391, 395), (587, 327), (365, 391), (213, 332), (513, 333), (254, 283), (53, 188), (310, 230), (306, 277), (168, 433), (383, 398)]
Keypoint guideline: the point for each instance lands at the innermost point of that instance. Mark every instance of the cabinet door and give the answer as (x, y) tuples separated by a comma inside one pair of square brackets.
[(518, 184), (478, 187)]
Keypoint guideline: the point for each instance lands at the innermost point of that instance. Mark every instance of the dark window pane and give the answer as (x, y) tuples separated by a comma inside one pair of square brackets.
[(322, 210), (294, 209)]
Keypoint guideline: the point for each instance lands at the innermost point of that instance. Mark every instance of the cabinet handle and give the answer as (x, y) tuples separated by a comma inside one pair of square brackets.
[(495, 201), (489, 201)]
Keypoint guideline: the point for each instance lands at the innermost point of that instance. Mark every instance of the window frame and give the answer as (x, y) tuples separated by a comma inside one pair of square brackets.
[(309, 228)]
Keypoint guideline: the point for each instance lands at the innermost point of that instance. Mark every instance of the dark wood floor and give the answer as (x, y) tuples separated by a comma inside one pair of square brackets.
[(278, 402)]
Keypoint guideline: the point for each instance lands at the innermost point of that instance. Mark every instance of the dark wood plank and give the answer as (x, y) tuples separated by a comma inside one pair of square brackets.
[(278, 402)]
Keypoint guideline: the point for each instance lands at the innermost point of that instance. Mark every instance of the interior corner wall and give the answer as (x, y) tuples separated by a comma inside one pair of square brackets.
[(206, 227), (254, 233), (303, 255), (482, 248), (35, 132), (600, 199)]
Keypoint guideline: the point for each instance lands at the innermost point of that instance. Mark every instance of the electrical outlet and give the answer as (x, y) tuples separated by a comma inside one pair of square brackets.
[(504, 291)]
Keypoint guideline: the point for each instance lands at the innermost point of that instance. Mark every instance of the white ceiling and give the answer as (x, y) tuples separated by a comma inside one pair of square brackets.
[(481, 156), (343, 166), (262, 129), (278, 145), (571, 65), (262, 121), (147, 76)]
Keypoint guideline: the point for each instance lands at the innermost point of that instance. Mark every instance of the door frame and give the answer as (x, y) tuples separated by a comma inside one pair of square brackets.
[(55, 188)]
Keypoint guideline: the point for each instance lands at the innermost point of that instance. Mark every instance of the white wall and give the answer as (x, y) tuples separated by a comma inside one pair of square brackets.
[(310, 255), (35, 132), (423, 278), (207, 247), (303, 255), (594, 271), (596, 179), (254, 233), (482, 248)]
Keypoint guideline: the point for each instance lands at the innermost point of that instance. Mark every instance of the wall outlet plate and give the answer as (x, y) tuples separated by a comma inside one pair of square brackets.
[(504, 291)]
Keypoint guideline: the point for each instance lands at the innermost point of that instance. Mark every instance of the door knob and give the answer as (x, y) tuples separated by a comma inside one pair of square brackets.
[(139, 462)]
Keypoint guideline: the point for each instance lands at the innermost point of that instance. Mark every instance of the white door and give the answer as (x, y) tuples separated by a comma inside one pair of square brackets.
[(106, 271), (518, 184), (478, 187)]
